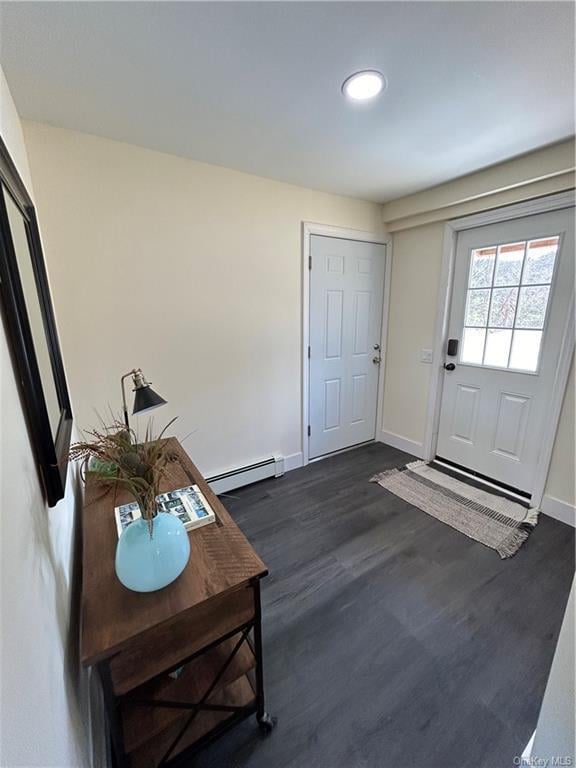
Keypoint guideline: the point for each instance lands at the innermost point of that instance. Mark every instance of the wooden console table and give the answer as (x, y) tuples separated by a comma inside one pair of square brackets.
[(181, 665)]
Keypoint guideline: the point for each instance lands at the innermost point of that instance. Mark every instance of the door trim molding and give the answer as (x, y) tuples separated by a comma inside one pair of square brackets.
[(451, 229), (310, 228)]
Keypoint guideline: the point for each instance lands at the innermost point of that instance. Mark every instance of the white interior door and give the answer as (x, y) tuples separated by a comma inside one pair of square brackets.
[(346, 293), (512, 293)]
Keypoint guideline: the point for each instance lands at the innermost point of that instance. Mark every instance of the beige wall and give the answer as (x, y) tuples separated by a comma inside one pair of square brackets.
[(192, 272), (416, 259), (534, 174), (42, 695), (417, 255), (190, 259), (561, 477)]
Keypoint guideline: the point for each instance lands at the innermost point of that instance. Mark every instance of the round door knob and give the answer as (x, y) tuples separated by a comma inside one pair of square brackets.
[(449, 366)]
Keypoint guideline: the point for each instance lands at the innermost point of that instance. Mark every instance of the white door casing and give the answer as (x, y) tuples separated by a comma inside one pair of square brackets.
[(346, 295), (493, 414)]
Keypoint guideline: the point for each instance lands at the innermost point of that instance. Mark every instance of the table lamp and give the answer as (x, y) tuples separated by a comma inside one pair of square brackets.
[(144, 398)]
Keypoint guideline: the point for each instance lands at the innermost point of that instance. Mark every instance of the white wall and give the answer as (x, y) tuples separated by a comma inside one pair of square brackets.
[(417, 223), (192, 272), (43, 698), (556, 732)]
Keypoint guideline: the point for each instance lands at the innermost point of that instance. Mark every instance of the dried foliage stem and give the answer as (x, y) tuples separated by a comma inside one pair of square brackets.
[(125, 461)]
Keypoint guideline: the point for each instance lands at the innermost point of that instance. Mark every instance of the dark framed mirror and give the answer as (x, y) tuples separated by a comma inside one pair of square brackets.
[(31, 329)]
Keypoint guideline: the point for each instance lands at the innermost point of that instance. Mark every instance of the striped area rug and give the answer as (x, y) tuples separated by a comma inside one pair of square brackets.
[(492, 520)]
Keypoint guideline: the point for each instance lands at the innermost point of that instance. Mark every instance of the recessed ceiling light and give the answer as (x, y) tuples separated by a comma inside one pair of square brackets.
[(363, 86)]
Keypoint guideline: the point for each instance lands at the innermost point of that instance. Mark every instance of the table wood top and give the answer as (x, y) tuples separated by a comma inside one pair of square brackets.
[(221, 560)]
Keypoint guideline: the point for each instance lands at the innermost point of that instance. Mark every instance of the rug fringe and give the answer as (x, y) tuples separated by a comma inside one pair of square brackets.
[(395, 470), (512, 543), (381, 475), (532, 516), (416, 464)]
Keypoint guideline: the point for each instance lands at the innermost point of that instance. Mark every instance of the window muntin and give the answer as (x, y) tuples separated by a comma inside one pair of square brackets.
[(506, 303)]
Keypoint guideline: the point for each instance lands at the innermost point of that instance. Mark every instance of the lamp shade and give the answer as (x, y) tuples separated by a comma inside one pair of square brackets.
[(145, 398)]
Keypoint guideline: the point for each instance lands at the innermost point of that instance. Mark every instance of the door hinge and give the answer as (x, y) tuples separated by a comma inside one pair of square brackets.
[(308, 352), (309, 262), (308, 430)]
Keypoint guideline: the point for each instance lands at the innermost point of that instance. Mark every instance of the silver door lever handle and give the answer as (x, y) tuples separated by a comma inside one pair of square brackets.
[(376, 360)]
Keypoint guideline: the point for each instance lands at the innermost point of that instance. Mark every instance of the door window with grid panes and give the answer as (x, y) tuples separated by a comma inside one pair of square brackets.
[(506, 304)]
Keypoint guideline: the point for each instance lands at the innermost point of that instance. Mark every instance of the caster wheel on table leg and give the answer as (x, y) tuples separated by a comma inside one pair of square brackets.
[(266, 723)]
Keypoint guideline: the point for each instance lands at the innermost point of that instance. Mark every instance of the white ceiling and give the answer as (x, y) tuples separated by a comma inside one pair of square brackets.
[(256, 86)]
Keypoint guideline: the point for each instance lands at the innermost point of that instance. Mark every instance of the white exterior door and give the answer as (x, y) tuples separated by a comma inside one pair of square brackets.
[(512, 293), (346, 292)]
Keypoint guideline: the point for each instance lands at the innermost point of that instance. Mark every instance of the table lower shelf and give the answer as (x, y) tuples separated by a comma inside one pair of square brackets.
[(177, 695), (142, 720), (239, 693)]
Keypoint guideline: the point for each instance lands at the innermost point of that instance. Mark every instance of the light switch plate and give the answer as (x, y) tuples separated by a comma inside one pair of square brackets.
[(426, 356)]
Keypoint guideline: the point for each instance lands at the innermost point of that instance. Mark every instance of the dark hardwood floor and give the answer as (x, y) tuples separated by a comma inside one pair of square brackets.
[(391, 640)]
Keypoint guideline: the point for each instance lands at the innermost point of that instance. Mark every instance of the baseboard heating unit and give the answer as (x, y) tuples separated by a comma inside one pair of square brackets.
[(251, 473)]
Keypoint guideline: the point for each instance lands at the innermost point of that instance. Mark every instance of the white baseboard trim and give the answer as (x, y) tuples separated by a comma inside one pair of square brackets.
[(526, 755), (402, 443), (559, 510), (252, 473), (238, 477), (294, 461)]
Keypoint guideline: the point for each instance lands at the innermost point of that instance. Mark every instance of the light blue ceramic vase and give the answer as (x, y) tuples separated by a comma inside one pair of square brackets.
[(146, 563)]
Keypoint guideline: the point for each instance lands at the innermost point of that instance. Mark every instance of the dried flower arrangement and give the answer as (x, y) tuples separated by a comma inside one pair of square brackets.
[(119, 459)]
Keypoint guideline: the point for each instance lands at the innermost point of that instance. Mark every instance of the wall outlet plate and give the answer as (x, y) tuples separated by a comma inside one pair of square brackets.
[(425, 355)]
